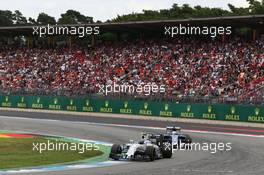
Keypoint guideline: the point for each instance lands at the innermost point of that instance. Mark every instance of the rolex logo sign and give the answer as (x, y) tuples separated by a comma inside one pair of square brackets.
[(188, 113), (145, 110), (87, 107), (209, 115), (125, 109), (55, 105), (106, 108), (6, 102), (22, 103), (166, 112), (232, 115), (257, 117), (37, 104), (71, 107)]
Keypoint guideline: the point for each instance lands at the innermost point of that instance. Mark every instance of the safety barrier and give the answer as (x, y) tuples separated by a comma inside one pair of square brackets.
[(245, 113)]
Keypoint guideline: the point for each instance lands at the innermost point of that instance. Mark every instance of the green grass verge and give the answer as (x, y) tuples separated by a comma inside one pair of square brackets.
[(18, 153)]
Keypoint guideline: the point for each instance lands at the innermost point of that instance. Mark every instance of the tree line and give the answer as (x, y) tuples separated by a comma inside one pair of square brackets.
[(186, 11), (9, 18)]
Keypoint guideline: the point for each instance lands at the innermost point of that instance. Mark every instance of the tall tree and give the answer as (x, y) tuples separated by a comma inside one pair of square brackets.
[(45, 19), (6, 18), (18, 18), (32, 21), (175, 12), (74, 17), (238, 10), (256, 7)]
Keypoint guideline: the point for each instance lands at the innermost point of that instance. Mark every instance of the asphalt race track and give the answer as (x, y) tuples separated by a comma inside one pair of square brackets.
[(245, 158)]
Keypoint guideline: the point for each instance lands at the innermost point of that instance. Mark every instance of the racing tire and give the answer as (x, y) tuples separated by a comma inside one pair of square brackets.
[(188, 141), (115, 150), (150, 152), (166, 150)]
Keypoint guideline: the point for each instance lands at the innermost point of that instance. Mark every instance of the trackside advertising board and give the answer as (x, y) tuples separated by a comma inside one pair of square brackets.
[(196, 111)]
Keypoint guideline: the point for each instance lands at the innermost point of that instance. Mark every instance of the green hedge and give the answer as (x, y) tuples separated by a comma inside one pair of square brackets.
[(196, 111)]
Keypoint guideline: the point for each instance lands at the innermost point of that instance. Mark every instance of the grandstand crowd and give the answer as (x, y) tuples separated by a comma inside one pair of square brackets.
[(187, 67)]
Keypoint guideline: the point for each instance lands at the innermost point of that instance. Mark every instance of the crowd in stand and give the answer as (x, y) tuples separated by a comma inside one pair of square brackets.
[(187, 67)]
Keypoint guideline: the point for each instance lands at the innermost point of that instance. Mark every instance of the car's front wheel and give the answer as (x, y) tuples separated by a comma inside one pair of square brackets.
[(150, 152), (115, 151)]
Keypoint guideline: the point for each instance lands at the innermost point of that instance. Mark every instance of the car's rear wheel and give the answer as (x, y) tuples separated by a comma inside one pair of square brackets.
[(166, 150), (188, 139), (188, 142)]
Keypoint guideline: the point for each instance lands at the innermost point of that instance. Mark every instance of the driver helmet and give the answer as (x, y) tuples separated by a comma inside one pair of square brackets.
[(147, 141), (174, 133)]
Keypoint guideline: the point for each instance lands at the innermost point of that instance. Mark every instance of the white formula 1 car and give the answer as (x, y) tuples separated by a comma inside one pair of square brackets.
[(175, 137), (150, 147)]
